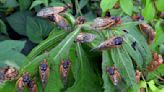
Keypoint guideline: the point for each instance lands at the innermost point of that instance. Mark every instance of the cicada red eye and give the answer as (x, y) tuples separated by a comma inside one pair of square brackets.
[(44, 71)]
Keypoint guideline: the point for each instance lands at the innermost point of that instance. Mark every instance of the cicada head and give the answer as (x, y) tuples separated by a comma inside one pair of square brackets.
[(118, 41), (26, 77), (110, 70)]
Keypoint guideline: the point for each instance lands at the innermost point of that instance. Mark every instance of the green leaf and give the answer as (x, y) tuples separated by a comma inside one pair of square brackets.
[(152, 86), (55, 37), (107, 4), (38, 29), (2, 27), (64, 46), (108, 85), (8, 86), (159, 36), (83, 3), (158, 72), (86, 79), (10, 3), (10, 53), (24, 4), (159, 4), (124, 65), (36, 3), (18, 21), (127, 6), (149, 11)]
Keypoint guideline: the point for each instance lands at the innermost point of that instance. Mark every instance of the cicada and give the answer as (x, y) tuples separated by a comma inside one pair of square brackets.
[(44, 71), (45, 12), (106, 22), (156, 62), (137, 17), (32, 86), (10, 73), (113, 42), (64, 68), (148, 31), (114, 75), (22, 82), (116, 6), (85, 37), (161, 15), (138, 76), (80, 20)]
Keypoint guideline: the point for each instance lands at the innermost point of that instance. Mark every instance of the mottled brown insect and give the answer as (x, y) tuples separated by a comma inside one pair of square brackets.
[(138, 76), (80, 20), (148, 31), (116, 6), (22, 82), (137, 17), (45, 12), (113, 42), (85, 37), (10, 73), (106, 22), (114, 75), (44, 71), (32, 86), (64, 68), (161, 15), (156, 62)]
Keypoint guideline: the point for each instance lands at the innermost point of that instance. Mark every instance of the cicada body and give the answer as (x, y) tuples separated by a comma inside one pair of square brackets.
[(156, 62), (113, 42), (80, 20), (45, 12), (44, 71), (148, 31), (85, 37), (106, 22), (114, 75), (32, 86), (161, 15), (64, 68), (138, 76), (22, 82)]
